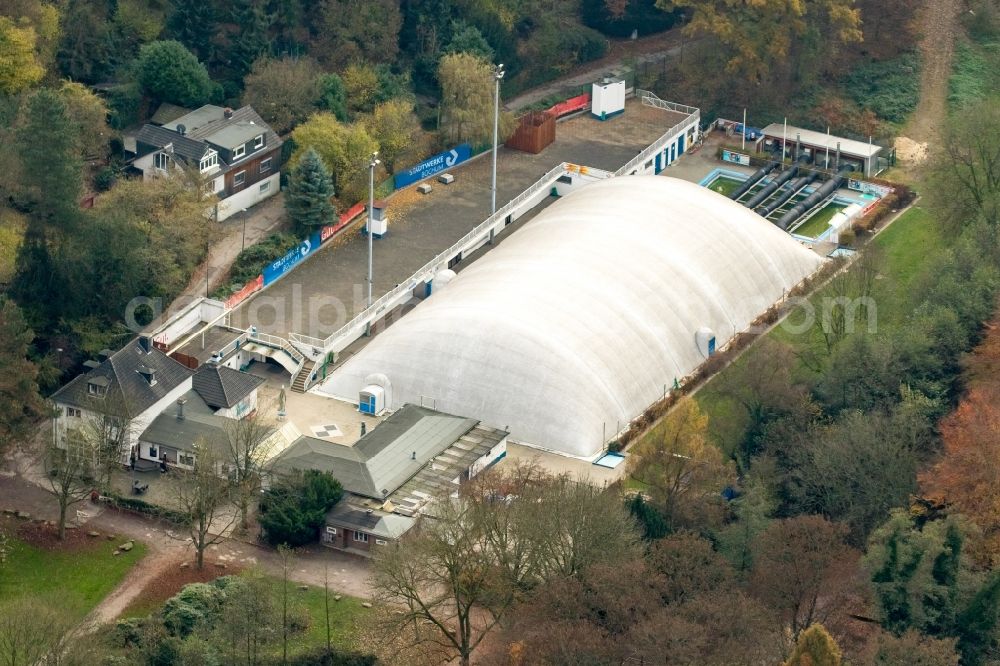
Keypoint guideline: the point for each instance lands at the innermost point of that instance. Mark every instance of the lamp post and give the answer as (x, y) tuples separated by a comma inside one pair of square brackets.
[(371, 207), (497, 75), (244, 230)]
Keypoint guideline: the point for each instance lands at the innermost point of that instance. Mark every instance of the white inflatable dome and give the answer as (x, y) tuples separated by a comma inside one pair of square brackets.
[(571, 327)]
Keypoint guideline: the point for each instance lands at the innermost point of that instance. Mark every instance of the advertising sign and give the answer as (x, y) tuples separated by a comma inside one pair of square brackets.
[(292, 258), (569, 106), (240, 296), (735, 158), (433, 165), (868, 188)]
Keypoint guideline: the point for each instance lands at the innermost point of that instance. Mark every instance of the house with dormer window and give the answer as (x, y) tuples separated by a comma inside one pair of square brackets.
[(236, 153)]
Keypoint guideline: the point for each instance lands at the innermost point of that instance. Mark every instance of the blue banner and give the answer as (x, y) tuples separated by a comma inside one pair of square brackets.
[(433, 165), (292, 258)]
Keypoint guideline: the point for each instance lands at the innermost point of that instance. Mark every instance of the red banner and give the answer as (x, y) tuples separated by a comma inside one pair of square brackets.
[(570, 105), (326, 232), (249, 288)]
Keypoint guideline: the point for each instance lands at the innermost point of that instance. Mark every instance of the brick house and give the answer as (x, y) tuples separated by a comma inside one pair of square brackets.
[(236, 153)]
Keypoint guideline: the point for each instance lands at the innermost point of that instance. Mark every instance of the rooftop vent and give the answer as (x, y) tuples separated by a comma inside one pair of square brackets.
[(148, 374), (181, 129), (413, 456), (91, 365), (227, 112), (145, 343), (180, 408)]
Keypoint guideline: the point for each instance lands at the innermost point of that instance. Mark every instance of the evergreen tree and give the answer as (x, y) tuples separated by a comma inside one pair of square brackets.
[(310, 188), (51, 170), (169, 72), (193, 24), (20, 403), (251, 41), (977, 624)]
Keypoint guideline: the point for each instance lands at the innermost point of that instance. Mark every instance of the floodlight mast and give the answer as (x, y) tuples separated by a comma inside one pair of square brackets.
[(498, 73), (371, 209)]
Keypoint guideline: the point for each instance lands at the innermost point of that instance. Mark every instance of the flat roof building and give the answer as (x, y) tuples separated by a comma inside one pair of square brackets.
[(863, 152)]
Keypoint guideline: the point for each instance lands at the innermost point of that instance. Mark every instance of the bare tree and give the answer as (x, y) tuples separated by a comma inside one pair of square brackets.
[(248, 619), (70, 472), (285, 555), (202, 497), (249, 441), (32, 632), (108, 430)]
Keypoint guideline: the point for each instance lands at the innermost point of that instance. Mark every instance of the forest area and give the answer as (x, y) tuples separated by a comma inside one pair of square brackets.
[(831, 497)]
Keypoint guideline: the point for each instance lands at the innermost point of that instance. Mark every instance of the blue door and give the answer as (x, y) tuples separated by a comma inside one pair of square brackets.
[(367, 405), (659, 162), (680, 145), (673, 152)]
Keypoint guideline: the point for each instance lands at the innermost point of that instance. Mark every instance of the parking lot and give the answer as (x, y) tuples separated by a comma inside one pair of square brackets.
[(329, 288)]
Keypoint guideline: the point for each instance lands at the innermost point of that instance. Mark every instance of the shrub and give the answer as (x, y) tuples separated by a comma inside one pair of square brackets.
[(251, 261), (890, 88), (170, 73), (196, 604), (294, 509), (105, 179)]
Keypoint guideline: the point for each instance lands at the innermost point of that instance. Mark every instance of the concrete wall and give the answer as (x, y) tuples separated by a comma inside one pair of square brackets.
[(488, 459), (249, 196)]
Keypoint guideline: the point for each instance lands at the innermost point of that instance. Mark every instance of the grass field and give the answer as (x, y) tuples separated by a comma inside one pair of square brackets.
[(345, 616), (724, 185), (819, 222), (74, 580), (909, 247)]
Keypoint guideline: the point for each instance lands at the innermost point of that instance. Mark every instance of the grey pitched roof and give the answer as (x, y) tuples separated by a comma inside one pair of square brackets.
[(193, 120), (184, 146), (199, 424), (168, 112), (221, 387), (377, 523), (120, 373), (384, 459)]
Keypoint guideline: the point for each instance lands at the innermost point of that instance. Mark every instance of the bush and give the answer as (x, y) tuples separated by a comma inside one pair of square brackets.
[(640, 15), (890, 88), (251, 261), (169, 72), (196, 604), (974, 76), (139, 506), (323, 657), (293, 510), (105, 179)]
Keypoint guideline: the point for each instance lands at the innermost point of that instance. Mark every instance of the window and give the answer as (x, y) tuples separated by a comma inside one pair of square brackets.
[(152, 452), (379, 542), (258, 141), (265, 186), (161, 161), (239, 178), (186, 459), (360, 536), (265, 165), (209, 161), (240, 150), (94, 389), (73, 412)]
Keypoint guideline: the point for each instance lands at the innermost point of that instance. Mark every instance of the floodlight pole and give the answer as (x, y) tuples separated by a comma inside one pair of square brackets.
[(784, 140), (744, 132), (371, 209), (497, 75)]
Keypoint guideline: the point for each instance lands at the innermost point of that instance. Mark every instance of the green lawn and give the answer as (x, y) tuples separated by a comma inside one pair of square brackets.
[(819, 222), (910, 245), (345, 616), (74, 580), (724, 185)]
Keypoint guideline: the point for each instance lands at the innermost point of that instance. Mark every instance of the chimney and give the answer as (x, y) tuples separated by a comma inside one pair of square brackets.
[(145, 343), (413, 456), (148, 374), (180, 408), (228, 112), (104, 354), (836, 165)]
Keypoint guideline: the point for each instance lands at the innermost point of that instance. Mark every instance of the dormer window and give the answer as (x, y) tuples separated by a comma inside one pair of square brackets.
[(161, 161), (148, 374), (258, 142), (209, 161), (97, 386), (240, 150)]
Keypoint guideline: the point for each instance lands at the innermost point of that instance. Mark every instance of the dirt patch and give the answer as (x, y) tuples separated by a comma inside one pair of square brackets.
[(909, 151), (169, 582), (939, 26), (45, 535)]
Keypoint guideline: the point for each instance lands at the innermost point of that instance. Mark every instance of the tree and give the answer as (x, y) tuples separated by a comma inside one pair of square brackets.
[(919, 574), (914, 649), (89, 114), (342, 33), (51, 167), (283, 91), (19, 66), (193, 23), (752, 512), (294, 508), (333, 95), (466, 38), (361, 86), (815, 647), (167, 71), (803, 570), (394, 126), (689, 567), (310, 190), (345, 149), (250, 41), (467, 99), (71, 474), (763, 40), (32, 632), (87, 49), (20, 403), (683, 472), (202, 497), (249, 443), (247, 620)]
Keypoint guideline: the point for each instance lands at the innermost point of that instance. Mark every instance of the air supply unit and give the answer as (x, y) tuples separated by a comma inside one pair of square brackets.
[(607, 98)]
